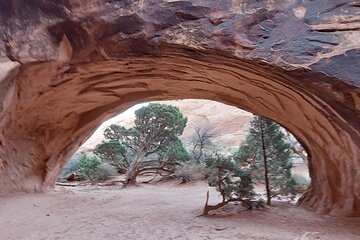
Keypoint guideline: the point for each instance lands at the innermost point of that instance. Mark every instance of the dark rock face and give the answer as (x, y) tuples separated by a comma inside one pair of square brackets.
[(68, 65)]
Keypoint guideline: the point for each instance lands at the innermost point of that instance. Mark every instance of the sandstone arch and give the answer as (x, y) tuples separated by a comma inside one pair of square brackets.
[(68, 66)]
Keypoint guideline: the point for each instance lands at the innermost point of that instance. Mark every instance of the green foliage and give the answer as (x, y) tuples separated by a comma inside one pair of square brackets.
[(87, 167), (265, 143), (156, 127), (155, 136), (125, 137), (175, 152), (114, 153), (160, 122), (231, 180)]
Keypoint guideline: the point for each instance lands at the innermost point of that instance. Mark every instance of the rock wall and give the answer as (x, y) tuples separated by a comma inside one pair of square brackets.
[(66, 66)]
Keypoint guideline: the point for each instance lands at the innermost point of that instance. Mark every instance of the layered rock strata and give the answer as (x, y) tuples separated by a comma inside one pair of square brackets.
[(66, 66)]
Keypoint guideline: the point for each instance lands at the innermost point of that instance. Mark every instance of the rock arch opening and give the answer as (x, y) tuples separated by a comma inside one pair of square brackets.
[(67, 68), (66, 106), (213, 130)]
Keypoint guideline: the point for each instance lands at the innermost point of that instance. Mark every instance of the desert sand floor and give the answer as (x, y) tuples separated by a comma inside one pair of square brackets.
[(161, 211)]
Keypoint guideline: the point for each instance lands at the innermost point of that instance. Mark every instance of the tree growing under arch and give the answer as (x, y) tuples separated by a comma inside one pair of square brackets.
[(232, 181), (200, 141), (269, 157), (156, 133)]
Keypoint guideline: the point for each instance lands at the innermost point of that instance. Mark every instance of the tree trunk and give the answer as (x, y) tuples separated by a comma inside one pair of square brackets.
[(208, 207), (133, 171), (268, 194), (120, 166)]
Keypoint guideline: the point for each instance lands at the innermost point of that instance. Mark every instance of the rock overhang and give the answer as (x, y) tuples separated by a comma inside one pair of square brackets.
[(295, 62)]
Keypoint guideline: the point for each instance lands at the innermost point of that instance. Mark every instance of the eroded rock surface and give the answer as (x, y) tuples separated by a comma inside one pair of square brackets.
[(68, 65)]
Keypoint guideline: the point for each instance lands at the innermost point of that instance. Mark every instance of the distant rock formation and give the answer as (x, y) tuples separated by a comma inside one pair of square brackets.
[(229, 123)]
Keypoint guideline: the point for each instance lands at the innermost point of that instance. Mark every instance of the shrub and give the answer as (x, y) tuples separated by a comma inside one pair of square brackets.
[(191, 171), (70, 168), (301, 182), (105, 171), (88, 166), (232, 182)]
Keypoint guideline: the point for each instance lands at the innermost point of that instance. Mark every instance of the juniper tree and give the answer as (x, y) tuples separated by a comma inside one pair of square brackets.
[(157, 128), (269, 157), (231, 180), (175, 152), (111, 151), (165, 161)]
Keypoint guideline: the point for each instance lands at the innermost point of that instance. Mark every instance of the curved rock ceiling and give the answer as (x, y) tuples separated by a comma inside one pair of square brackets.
[(66, 66)]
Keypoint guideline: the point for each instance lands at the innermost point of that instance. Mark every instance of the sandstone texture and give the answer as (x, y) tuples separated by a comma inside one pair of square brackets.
[(68, 65)]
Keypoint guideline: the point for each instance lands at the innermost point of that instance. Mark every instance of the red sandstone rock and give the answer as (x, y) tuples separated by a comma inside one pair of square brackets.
[(68, 65)]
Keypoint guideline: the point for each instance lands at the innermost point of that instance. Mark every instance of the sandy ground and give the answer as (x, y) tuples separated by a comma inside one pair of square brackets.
[(161, 211)]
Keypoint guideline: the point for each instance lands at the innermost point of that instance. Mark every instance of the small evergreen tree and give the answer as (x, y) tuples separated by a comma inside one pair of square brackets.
[(232, 181), (269, 157)]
